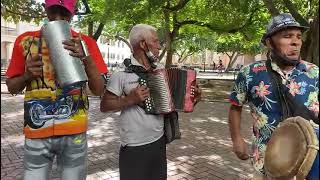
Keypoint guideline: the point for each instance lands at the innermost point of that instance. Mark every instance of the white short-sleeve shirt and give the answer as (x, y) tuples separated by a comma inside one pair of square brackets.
[(136, 127)]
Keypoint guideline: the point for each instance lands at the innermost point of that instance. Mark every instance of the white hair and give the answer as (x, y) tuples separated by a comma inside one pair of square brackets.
[(140, 32)]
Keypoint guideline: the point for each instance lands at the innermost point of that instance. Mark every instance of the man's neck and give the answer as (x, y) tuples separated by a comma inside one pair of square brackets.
[(284, 68), (142, 59)]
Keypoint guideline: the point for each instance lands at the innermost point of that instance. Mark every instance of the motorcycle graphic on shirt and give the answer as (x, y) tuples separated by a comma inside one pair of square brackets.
[(42, 111)]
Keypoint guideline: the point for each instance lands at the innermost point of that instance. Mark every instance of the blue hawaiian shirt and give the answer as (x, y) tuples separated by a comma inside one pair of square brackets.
[(253, 87)]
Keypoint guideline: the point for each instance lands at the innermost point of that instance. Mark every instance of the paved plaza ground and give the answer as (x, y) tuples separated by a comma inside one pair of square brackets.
[(204, 152)]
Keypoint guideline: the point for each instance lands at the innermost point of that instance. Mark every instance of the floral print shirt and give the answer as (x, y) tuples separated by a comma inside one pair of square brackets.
[(253, 86)]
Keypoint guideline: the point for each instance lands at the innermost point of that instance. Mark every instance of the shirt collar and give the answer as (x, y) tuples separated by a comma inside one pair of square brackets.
[(301, 67), (135, 62)]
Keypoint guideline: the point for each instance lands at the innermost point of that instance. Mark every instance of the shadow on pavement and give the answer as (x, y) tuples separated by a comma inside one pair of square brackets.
[(204, 151)]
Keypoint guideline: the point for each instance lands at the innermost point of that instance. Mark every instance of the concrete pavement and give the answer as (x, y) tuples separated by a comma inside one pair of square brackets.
[(204, 152)]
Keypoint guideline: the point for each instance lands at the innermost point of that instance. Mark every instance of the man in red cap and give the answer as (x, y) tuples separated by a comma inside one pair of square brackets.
[(55, 117)]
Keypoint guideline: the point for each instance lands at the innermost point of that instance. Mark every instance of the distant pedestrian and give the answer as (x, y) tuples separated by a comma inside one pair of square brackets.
[(238, 67), (214, 66), (220, 67)]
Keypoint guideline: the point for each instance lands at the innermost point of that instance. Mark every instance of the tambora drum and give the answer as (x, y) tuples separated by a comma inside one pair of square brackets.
[(293, 150)]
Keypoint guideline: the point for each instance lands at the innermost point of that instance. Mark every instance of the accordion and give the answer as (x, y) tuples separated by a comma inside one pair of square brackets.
[(170, 90)]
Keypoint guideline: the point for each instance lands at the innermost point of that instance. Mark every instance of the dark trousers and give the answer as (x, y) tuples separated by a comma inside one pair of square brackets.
[(146, 162)]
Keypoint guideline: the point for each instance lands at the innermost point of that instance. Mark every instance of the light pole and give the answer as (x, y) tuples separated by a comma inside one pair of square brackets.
[(204, 60), (108, 56)]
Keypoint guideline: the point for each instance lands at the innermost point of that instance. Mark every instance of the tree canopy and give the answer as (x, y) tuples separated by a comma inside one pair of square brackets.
[(220, 25)]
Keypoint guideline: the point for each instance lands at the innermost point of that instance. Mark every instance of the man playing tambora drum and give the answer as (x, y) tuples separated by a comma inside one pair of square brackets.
[(254, 86), (56, 118)]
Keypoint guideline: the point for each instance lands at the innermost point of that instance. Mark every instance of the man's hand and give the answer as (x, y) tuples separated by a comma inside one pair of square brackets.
[(139, 94), (240, 148), (34, 67), (196, 93), (74, 46)]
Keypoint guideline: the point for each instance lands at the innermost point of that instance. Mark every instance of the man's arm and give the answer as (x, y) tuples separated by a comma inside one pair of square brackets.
[(33, 70), (235, 121), (95, 81), (112, 102), (16, 84), (239, 146)]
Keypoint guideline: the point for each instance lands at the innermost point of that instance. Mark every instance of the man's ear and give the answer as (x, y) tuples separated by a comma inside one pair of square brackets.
[(143, 45), (268, 43)]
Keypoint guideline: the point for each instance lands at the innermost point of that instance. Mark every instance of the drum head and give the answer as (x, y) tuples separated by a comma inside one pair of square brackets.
[(285, 151)]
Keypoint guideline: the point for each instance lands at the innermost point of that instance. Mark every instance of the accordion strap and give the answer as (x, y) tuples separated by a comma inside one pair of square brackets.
[(138, 70)]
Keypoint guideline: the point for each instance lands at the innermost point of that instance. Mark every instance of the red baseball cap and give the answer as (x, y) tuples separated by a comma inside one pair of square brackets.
[(68, 4)]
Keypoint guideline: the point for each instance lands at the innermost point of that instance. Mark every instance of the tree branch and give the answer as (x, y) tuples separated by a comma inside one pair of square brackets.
[(25, 15), (271, 7), (228, 55), (185, 57), (162, 53), (180, 55), (218, 28), (98, 31), (124, 40), (90, 28), (292, 9), (86, 5), (179, 6)]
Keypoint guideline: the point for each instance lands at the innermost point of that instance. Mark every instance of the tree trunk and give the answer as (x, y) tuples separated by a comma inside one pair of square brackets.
[(90, 29), (233, 59), (312, 51), (293, 11), (168, 38), (270, 6), (169, 54)]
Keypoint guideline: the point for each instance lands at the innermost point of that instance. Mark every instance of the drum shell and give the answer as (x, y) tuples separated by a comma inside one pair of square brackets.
[(314, 172), (68, 69)]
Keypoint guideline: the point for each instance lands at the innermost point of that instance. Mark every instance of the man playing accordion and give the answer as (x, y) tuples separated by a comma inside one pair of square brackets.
[(142, 153)]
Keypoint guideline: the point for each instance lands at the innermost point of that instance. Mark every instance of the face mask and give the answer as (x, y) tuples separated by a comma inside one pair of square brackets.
[(151, 57)]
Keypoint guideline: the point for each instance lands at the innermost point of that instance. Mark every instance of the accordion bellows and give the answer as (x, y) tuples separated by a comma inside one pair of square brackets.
[(170, 90)]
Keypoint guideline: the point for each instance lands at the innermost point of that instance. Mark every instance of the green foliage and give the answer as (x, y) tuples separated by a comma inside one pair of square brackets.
[(22, 10), (306, 8), (238, 43), (218, 25)]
